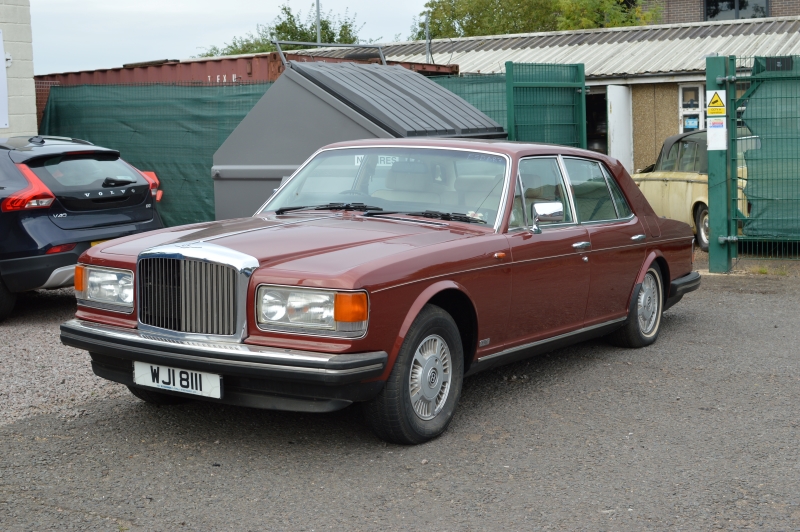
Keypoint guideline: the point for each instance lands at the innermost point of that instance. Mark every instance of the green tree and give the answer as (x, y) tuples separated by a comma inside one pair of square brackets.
[(586, 14), (289, 26), (471, 18)]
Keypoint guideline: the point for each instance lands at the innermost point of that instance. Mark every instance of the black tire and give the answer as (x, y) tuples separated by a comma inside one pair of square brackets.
[(701, 225), (392, 415), (634, 333), (7, 300), (157, 398)]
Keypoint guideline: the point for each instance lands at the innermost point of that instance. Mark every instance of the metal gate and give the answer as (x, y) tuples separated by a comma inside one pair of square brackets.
[(534, 102), (754, 186)]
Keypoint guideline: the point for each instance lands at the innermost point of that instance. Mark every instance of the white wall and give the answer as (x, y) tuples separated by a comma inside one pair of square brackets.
[(620, 124), (15, 23)]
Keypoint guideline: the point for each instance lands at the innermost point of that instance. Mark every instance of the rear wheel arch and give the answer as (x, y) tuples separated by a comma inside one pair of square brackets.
[(657, 257)]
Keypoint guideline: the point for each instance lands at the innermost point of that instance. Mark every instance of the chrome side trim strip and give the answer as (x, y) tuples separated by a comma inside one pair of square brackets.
[(548, 340)]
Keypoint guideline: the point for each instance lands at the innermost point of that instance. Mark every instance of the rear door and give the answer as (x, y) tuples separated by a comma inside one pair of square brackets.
[(93, 189), (617, 239)]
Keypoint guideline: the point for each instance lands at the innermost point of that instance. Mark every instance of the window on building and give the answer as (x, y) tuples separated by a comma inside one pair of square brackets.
[(736, 9), (691, 107)]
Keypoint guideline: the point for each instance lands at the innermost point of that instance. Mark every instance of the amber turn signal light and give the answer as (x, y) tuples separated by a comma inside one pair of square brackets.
[(80, 278), (350, 307)]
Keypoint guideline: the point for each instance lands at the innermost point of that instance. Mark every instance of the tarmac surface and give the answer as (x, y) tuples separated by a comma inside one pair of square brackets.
[(698, 431)]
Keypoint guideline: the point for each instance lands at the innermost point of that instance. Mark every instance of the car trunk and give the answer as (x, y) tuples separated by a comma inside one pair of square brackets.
[(93, 189)]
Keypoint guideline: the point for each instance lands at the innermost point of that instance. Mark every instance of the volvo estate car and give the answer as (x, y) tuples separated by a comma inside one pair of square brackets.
[(59, 197)]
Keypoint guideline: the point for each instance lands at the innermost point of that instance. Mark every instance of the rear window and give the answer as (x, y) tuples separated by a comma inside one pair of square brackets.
[(65, 172)]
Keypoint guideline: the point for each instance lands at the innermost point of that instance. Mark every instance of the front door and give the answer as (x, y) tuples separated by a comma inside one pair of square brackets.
[(550, 269)]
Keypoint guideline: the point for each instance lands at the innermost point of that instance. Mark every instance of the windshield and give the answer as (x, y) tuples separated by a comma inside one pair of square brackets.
[(400, 180)]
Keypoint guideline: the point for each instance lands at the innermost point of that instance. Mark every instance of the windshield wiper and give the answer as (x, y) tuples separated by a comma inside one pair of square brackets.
[(331, 207), (447, 216)]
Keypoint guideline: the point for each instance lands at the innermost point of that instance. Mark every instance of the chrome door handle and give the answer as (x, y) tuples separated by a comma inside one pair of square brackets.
[(638, 238), (582, 245)]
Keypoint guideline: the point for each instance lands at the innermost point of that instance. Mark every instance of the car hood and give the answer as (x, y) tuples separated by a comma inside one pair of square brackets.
[(323, 242)]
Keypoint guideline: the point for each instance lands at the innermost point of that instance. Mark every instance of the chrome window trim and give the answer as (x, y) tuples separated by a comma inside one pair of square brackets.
[(609, 176), (567, 191), (201, 251), (110, 307), (501, 209), (323, 333)]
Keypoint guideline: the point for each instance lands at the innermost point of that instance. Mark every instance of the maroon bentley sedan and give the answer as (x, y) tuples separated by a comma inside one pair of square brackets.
[(383, 272)]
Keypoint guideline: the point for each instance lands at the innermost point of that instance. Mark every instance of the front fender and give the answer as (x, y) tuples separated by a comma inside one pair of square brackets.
[(422, 299)]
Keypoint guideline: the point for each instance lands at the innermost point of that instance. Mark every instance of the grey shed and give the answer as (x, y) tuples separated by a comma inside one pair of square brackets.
[(315, 104)]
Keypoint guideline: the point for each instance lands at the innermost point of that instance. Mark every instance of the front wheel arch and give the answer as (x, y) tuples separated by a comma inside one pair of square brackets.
[(453, 298)]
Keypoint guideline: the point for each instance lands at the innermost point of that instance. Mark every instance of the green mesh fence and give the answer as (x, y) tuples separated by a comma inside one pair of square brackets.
[(172, 130), (486, 92), (766, 209), (548, 100)]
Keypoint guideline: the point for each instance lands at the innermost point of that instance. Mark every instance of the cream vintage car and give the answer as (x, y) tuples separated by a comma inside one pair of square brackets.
[(676, 186)]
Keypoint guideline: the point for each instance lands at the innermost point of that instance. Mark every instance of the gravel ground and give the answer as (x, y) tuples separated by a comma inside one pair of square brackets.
[(698, 431)]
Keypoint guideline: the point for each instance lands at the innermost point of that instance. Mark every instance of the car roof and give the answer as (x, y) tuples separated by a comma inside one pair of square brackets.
[(500, 146), (25, 147)]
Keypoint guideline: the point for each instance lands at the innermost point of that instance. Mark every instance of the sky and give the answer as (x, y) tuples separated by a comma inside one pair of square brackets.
[(71, 35)]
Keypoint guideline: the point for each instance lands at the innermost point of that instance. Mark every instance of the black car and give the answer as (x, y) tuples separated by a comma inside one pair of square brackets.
[(58, 197)]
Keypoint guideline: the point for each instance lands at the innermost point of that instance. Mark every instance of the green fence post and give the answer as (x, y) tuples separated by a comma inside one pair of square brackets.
[(581, 106), (719, 254), (512, 134)]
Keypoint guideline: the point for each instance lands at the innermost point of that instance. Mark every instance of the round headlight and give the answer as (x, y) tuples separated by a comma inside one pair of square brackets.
[(273, 307)]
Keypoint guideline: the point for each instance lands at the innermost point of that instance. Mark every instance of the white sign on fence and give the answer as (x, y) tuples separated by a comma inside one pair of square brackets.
[(717, 127)]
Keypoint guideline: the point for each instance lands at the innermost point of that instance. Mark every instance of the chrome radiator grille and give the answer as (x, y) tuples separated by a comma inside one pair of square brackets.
[(187, 296)]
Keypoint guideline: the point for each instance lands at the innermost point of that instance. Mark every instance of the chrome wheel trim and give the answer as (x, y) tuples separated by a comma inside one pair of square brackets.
[(648, 304), (704, 228), (430, 377)]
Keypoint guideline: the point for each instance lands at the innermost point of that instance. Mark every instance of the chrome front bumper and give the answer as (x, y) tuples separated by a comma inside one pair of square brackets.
[(233, 359)]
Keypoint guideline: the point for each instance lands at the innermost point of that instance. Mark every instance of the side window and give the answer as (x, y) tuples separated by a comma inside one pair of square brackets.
[(623, 209), (592, 197), (668, 162), (544, 193), (688, 156)]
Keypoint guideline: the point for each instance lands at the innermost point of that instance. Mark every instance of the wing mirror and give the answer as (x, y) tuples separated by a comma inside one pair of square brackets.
[(546, 211)]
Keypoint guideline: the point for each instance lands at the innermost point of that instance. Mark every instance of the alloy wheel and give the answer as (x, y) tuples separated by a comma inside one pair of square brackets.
[(429, 379)]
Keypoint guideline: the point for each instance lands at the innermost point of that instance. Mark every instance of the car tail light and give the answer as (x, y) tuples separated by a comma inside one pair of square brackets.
[(152, 178), (35, 196), (60, 249)]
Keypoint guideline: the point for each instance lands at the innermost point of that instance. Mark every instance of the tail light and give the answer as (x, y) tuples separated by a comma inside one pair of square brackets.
[(60, 249), (152, 178), (35, 196)]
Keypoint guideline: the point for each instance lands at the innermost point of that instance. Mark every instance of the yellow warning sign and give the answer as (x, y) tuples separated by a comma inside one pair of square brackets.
[(716, 105)]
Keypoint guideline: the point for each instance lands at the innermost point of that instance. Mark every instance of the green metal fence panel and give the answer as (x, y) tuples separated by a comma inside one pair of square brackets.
[(533, 102), (487, 92), (172, 130), (764, 152), (549, 103)]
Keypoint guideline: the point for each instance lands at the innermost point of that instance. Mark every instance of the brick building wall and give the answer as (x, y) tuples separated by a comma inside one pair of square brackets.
[(15, 23), (682, 11), (784, 8)]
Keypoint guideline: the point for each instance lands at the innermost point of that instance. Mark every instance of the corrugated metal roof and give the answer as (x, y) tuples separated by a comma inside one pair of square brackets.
[(612, 52), (400, 101)]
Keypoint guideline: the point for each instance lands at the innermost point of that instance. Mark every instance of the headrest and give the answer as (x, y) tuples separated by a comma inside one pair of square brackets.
[(410, 182), (476, 183), (409, 167), (542, 192)]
